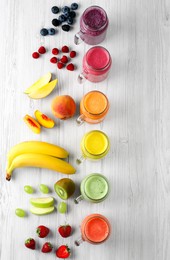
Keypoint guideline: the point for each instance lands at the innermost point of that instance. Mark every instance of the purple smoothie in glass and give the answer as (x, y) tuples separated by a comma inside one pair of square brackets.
[(93, 26)]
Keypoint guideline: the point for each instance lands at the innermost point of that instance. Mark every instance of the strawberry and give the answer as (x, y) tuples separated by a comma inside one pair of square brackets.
[(65, 230), (64, 59), (53, 60), (60, 65), (42, 50), (35, 55), (70, 67), (65, 49), (47, 247), (30, 243), (63, 251), (55, 51), (42, 231), (72, 54)]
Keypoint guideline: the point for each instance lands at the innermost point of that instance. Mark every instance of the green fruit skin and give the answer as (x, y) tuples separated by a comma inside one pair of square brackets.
[(20, 213), (44, 189), (68, 187), (37, 202), (28, 189), (41, 211), (62, 207)]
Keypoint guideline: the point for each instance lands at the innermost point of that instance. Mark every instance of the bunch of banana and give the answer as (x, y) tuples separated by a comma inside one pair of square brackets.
[(38, 154)]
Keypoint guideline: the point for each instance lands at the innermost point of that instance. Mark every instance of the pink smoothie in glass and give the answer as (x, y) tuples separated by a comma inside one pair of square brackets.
[(96, 64), (93, 25)]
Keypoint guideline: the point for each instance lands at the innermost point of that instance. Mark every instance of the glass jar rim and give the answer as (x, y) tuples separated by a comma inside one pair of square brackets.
[(105, 15)]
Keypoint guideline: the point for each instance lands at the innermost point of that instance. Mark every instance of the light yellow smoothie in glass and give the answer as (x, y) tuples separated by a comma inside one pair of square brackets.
[(94, 145)]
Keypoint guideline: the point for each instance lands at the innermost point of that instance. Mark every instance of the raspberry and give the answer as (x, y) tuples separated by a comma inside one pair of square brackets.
[(42, 50), (60, 65), (53, 60), (55, 51), (35, 55), (70, 66), (65, 49), (72, 54), (64, 59)]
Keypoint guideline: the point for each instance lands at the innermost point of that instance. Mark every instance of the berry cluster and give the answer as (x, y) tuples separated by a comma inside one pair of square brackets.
[(61, 63), (36, 54), (67, 17)]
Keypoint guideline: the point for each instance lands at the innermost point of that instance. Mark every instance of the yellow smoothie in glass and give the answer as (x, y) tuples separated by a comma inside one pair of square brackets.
[(94, 145)]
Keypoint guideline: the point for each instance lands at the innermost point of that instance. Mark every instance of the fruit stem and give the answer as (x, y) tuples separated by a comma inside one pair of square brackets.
[(8, 176)]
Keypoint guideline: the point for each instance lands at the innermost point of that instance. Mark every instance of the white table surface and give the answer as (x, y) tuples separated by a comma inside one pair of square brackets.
[(138, 125)]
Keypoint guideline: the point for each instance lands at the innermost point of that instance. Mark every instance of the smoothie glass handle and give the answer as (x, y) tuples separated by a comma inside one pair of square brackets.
[(78, 199), (79, 241), (78, 37), (80, 120), (82, 77), (80, 159)]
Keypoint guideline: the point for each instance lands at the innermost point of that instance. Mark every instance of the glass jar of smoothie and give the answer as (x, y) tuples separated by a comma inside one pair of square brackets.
[(96, 65), (95, 229), (93, 26), (94, 145), (93, 108), (94, 188)]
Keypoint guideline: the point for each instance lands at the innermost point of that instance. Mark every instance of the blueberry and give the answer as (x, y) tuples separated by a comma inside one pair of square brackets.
[(43, 31), (65, 9), (66, 27), (67, 14), (72, 14), (55, 10), (62, 18), (74, 6), (51, 31), (56, 22), (70, 20)]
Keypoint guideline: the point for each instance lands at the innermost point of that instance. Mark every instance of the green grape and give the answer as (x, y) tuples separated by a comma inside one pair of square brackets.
[(62, 207), (44, 188), (28, 189), (20, 213)]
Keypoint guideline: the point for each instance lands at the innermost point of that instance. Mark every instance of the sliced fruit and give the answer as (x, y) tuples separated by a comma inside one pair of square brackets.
[(43, 91), (44, 120), (64, 188), (39, 83), (41, 211), (42, 202), (32, 124)]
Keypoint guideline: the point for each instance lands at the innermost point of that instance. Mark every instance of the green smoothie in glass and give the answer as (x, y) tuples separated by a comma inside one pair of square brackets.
[(94, 188)]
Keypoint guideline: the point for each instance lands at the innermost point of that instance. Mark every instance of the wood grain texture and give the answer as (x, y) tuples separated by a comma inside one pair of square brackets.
[(138, 124)]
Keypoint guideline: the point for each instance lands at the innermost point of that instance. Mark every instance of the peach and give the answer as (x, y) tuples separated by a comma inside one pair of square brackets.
[(32, 124), (63, 107), (44, 120)]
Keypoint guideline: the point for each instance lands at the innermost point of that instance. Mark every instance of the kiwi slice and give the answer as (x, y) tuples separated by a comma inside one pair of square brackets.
[(64, 188)]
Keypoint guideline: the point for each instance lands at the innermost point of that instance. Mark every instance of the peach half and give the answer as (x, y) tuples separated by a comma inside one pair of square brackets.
[(32, 124), (63, 107), (44, 120)]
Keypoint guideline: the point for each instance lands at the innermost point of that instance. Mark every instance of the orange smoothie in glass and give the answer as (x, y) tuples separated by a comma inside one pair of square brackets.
[(93, 107), (95, 229)]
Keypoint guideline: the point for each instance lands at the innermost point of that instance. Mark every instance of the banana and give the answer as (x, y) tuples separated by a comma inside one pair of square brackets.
[(36, 147), (41, 161)]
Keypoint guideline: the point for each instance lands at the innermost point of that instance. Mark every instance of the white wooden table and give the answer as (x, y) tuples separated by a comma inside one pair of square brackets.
[(138, 124)]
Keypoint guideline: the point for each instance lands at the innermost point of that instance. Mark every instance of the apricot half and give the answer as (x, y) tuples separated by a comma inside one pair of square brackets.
[(44, 120), (63, 107), (32, 124)]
